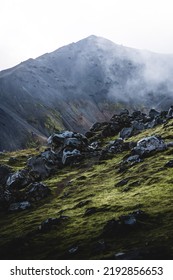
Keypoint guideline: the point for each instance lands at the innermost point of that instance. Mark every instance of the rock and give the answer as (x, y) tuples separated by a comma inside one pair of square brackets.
[(153, 113), (126, 132), (57, 139), (90, 211), (5, 198), (94, 145), (169, 144), (148, 145), (170, 112), (139, 116), (71, 156), (19, 179), (36, 191), (43, 165), (135, 254), (82, 203), (122, 183), (51, 222), (124, 224), (111, 130), (4, 174), (114, 147), (73, 249), (169, 163), (67, 138), (19, 206), (133, 159), (137, 127), (128, 220), (124, 112)]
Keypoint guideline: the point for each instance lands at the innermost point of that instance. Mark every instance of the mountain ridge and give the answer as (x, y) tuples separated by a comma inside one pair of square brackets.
[(77, 85)]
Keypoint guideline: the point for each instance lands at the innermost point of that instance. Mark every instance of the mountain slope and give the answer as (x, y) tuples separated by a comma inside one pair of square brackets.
[(77, 85), (99, 208)]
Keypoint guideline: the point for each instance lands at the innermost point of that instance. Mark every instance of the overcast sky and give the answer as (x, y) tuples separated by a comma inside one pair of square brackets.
[(29, 28)]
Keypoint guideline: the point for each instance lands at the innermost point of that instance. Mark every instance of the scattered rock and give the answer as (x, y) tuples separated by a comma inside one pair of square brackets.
[(71, 156), (18, 180), (90, 211), (82, 203), (73, 250), (132, 160), (124, 224), (122, 183), (169, 163), (51, 222), (37, 191), (153, 114), (5, 198), (126, 132), (148, 145), (19, 206), (4, 174)]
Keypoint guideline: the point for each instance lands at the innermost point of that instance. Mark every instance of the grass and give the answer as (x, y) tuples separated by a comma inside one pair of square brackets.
[(75, 189)]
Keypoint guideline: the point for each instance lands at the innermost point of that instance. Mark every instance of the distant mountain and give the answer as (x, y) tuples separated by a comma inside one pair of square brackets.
[(78, 85)]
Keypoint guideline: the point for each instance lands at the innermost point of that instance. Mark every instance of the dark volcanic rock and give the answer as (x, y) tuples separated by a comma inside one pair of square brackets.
[(20, 206), (5, 198), (4, 174), (18, 180), (51, 222), (90, 211), (169, 163), (148, 145), (36, 191), (70, 156), (122, 183)]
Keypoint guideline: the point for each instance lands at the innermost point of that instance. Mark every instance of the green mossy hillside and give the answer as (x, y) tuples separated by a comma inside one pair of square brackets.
[(94, 184)]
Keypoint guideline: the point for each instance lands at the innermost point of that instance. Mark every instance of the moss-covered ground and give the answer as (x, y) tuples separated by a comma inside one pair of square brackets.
[(93, 183)]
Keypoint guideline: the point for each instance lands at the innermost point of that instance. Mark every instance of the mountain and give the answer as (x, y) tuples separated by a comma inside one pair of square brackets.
[(78, 85), (95, 197)]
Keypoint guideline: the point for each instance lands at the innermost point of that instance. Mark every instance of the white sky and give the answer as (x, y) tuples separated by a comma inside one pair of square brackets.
[(29, 28)]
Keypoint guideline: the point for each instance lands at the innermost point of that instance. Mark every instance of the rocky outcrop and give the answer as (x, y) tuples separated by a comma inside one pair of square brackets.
[(149, 145)]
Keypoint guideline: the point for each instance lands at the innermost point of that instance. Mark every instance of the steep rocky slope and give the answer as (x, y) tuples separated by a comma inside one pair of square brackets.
[(77, 85), (94, 197)]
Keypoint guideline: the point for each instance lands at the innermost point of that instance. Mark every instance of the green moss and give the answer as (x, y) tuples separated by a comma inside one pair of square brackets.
[(149, 187)]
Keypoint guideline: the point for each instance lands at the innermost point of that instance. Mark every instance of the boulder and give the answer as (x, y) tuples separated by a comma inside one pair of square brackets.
[(67, 138), (5, 198), (57, 139), (19, 206), (43, 165), (36, 191), (148, 145), (126, 132), (124, 224), (169, 163), (116, 146), (170, 112), (4, 174), (132, 159), (18, 180), (153, 113), (71, 156)]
